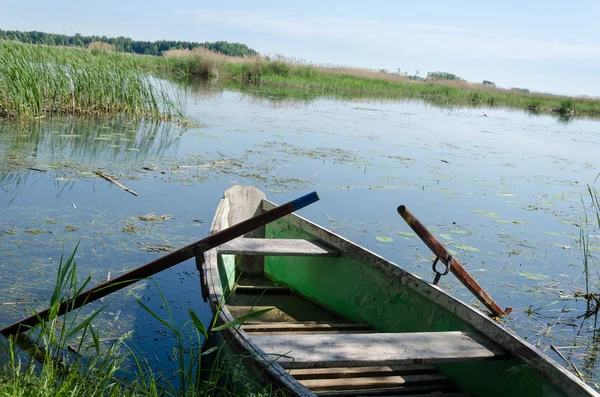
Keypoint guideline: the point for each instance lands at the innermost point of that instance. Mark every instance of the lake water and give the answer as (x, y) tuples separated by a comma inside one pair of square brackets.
[(503, 189)]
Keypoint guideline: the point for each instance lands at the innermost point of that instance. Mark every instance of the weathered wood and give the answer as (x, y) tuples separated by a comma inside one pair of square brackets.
[(273, 315), (374, 382), (257, 364), (108, 178), (247, 199), (285, 326), (455, 267), (276, 247), (435, 390), (432, 394), (310, 331), (163, 263), (262, 289), (320, 351), (349, 372)]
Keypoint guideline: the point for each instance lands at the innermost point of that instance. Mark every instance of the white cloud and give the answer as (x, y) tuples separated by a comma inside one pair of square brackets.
[(410, 39)]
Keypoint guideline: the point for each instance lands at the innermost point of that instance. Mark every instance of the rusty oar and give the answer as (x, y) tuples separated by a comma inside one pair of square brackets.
[(455, 267)]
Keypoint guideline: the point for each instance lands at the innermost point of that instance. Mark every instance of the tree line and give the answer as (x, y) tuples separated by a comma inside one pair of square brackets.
[(125, 44)]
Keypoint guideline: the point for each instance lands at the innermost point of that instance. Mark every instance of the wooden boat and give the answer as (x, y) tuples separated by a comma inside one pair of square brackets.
[(347, 322)]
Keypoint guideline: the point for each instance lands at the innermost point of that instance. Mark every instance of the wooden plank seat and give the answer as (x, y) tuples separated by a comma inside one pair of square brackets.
[(308, 327), (276, 247), (324, 351)]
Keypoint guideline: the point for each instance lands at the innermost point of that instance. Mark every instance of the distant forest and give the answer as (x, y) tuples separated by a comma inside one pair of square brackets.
[(125, 44)]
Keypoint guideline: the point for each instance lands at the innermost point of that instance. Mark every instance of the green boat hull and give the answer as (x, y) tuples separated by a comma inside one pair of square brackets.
[(364, 288)]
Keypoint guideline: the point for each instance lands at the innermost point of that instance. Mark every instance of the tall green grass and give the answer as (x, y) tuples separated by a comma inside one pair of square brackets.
[(290, 78), (37, 80), (65, 356), (592, 281)]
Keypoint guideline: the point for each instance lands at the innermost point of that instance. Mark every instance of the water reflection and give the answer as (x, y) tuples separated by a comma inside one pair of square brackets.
[(81, 141), (64, 148)]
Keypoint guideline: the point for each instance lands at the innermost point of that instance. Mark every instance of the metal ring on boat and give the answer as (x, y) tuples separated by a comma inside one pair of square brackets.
[(439, 274)]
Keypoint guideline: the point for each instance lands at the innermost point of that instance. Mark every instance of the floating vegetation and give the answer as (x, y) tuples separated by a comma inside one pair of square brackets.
[(129, 228), (156, 247), (461, 232), (384, 239), (552, 233), (408, 234), (514, 221), (152, 217), (532, 276), (487, 214), (466, 248), (70, 228), (36, 231)]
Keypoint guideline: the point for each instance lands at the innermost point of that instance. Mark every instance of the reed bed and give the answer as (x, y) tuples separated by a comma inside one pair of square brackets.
[(38, 81), (290, 77)]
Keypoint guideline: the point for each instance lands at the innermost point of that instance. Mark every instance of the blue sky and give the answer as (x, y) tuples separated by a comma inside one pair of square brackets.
[(550, 46)]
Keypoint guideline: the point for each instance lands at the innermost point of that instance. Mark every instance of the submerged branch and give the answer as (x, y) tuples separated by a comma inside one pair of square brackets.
[(108, 178)]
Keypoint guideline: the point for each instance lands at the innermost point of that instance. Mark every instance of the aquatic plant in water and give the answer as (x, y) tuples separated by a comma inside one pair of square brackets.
[(66, 356), (38, 81)]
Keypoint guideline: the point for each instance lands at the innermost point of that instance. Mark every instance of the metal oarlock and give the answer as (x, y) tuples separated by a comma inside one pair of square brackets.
[(439, 274), (451, 264)]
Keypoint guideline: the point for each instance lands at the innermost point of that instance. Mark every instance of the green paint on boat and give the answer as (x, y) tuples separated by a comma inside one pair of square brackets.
[(364, 294)]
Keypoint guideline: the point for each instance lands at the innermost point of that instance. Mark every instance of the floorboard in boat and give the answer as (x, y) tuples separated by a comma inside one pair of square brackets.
[(435, 390), (286, 308), (288, 328), (372, 382), (348, 372)]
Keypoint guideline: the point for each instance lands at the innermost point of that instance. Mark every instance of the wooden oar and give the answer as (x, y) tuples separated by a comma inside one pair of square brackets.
[(164, 262), (455, 267)]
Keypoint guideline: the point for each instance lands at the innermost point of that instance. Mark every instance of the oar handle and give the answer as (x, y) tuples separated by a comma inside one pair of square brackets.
[(163, 263), (455, 267)]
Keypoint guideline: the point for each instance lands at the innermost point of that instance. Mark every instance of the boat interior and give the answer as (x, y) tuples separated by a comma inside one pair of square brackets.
[(346, 322), (292, 316)]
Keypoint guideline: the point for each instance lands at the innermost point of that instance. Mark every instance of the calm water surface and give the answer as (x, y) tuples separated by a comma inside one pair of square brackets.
[(502, 189)]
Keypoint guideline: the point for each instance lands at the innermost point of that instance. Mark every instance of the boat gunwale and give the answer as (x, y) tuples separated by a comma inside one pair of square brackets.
[(564, 380), (242, 340)]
